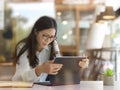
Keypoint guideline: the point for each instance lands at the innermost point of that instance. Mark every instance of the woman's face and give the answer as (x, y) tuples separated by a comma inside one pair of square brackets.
[(45, 37)]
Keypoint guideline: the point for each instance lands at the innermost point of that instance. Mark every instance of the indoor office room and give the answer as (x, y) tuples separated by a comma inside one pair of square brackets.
[(86, 30)]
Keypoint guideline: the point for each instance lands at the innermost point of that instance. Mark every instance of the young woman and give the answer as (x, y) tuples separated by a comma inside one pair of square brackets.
[(34, 54)]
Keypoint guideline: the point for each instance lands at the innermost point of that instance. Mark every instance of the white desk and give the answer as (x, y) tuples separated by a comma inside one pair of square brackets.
[(115, 87), (84, 85)]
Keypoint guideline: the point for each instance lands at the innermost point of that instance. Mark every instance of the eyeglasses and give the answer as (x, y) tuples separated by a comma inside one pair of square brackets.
[(46, 37)]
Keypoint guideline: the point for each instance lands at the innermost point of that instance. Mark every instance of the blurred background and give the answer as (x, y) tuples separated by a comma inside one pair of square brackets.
[(89, 27)]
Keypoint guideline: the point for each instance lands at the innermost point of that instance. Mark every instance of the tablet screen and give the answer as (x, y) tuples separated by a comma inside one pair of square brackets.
[(69, 73)]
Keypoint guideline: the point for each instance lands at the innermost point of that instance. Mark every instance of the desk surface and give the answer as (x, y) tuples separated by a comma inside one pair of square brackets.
[(84, 85), (115, 87)]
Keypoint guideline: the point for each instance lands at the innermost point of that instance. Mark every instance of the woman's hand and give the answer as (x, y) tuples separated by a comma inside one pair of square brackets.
[(49, 67), (84, 63)]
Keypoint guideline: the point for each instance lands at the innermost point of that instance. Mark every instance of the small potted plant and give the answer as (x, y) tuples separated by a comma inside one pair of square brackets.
[(108, 77)]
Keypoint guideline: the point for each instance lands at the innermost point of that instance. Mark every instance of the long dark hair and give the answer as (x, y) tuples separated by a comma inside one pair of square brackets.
[(30, 42)]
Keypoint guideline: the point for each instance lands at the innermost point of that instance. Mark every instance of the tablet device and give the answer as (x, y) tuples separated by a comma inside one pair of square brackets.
[(69, 73)]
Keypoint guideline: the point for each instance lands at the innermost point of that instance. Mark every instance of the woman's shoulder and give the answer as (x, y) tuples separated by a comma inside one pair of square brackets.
[(20, 45)]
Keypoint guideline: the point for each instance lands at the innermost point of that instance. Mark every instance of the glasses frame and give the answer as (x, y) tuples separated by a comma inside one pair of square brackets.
[(46, 37)]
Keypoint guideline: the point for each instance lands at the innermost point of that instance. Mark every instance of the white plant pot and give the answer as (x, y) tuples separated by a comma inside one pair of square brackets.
[(108, 80)]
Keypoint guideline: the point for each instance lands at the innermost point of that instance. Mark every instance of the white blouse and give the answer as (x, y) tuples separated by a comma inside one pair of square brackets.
[(26, 73)]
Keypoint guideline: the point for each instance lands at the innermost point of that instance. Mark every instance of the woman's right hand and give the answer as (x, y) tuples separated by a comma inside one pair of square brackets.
[(48, 67)]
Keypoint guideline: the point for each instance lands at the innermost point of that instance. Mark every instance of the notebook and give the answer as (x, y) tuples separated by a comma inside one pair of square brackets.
[(15, 84), (69, 74)]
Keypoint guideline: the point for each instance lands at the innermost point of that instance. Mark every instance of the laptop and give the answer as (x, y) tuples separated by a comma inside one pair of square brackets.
[(69, 73)]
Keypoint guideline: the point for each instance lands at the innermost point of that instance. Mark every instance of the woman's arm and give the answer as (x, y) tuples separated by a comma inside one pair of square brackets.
[(23, 70), (25, 73)]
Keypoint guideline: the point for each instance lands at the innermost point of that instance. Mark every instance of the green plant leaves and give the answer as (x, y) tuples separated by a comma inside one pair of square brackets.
[(108, 72)]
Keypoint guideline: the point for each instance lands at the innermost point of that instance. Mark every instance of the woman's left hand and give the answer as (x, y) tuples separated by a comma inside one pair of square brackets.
[(84, 63)]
